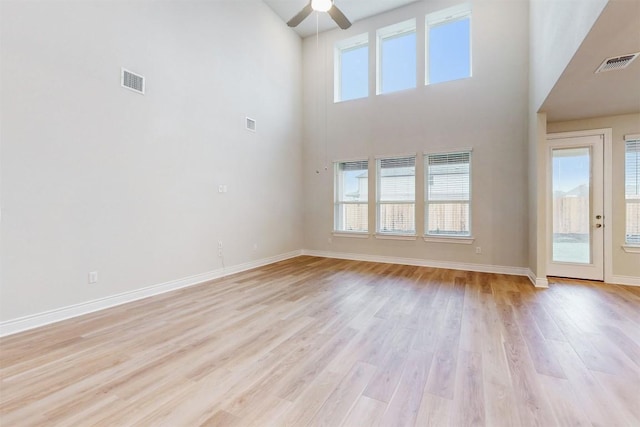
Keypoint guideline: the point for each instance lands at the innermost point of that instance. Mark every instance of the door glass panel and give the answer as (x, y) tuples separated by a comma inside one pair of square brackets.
[(571, 205)]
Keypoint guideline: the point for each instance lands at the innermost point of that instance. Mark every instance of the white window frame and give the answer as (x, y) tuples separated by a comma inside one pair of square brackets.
[(632, 247), (442, 17), (451, 238), (341, 46), (411, 235), (337, 202), (391, 31)]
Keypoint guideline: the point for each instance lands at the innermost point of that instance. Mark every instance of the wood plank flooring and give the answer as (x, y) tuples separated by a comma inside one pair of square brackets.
[(323, 342)]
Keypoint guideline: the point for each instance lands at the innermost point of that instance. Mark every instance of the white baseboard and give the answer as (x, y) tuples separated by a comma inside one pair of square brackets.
[(13, 326), (482, 268), (625, 280), (538, 282)]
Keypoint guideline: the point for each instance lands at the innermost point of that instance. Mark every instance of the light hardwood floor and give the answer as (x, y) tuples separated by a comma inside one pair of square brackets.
[(324, 342)]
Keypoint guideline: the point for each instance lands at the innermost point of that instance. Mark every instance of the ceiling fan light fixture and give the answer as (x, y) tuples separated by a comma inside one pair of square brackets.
[(321, 5)]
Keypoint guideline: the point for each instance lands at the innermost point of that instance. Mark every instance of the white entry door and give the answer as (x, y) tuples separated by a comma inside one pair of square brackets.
[(576, 207)]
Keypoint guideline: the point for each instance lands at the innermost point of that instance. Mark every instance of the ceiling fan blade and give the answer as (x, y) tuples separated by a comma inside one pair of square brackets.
[(337, 15), (296, 20)]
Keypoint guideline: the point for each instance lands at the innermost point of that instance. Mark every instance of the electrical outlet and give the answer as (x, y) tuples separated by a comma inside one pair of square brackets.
[(93, 277), (478, 250), (219, 244), (255, 246)]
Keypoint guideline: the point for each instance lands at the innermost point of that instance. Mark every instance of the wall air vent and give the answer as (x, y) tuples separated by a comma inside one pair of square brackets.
[(617, 62), (132, 81), (251, 124)]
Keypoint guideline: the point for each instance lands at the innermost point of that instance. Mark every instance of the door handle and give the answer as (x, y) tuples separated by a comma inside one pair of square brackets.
[(598, 216), (598, 225)]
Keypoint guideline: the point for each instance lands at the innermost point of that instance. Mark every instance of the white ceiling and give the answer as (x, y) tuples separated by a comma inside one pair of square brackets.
[(579, 93), (353, 9)]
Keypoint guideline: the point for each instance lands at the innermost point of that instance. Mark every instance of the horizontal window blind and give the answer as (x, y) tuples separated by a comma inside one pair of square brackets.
[(399, 162), (361, 165), (448, 194), (632, 168), (396, 187), (351, 208), (448, 176), (632, 191)]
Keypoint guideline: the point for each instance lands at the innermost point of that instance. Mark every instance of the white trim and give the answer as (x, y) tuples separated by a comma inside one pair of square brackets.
[(395, 156), (338, 48), (354, 159), (625, 280), (357, 235), (449, 239), (378, 188), (449, 14), (629, 247), (396, 29), (448, 151), (425, 192), (538, 282), (384, 236), (20, 324), (608, 202), (607, 135), (338, 182), (354, 41), (482, 268), (391, 31), (446, 16)]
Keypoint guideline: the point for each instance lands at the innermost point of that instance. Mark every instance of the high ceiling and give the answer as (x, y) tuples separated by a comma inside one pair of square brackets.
[(579, 93), (353, 9)]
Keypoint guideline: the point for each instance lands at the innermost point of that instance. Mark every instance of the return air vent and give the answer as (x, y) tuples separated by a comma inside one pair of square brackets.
[(132, 81), (617, 62), (251, 124)]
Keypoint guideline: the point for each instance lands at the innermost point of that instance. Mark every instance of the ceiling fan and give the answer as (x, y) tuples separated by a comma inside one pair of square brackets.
[(321, 6)]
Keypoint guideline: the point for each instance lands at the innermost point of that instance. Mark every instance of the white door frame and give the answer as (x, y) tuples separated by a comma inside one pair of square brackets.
[(607, 136)]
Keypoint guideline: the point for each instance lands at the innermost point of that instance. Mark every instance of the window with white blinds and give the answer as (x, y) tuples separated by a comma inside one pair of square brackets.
[(351, 207), (448, 194), (632, 192), (396, 194)]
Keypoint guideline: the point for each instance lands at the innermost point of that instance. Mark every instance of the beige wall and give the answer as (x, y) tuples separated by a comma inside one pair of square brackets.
[(556, 30), (537, 194), (98, 178), (624, 264), (487, 112)]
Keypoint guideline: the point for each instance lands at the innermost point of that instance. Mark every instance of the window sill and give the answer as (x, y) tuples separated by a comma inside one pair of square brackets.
[(449, 239), (354, 234), (631, 249), (385, 236)]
